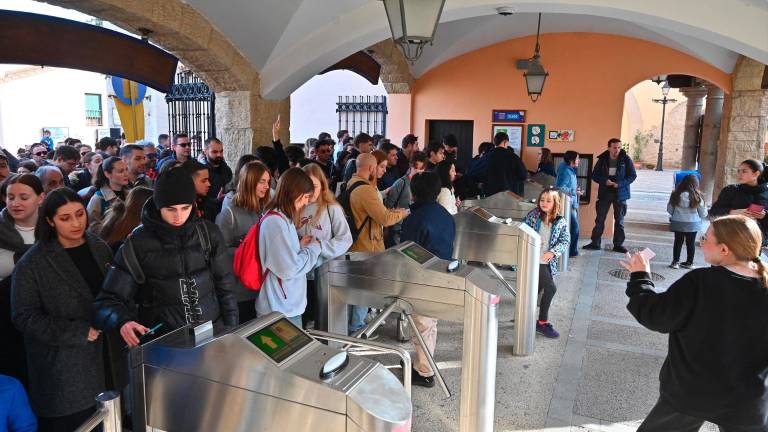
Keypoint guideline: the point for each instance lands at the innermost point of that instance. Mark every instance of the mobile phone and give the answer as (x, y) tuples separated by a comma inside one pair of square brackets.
[(755, 208), (647, 253)]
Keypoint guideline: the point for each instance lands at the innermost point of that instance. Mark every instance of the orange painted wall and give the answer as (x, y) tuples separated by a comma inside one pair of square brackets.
[(399, 116), (589, 75)]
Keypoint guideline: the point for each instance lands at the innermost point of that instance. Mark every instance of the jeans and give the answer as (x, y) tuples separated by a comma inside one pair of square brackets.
[(690, 246), (547, 285), (664, 418), (357, 316), (619, 210), (574, 229), (296, 320)]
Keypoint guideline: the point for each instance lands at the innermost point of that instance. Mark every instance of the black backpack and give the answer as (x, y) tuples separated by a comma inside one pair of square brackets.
[(345, 201)]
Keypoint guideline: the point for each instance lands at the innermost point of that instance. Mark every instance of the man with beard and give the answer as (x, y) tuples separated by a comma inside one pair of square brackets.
[(220, 173)]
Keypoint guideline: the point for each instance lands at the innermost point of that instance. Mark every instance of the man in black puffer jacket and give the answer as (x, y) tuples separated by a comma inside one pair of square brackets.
[(178, 272)]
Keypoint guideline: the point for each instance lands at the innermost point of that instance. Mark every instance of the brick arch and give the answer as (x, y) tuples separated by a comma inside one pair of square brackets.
[(395, 73), (181, 30)]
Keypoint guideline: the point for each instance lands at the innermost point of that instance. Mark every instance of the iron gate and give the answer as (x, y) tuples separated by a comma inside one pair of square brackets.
[(363, 114), (191, 109)]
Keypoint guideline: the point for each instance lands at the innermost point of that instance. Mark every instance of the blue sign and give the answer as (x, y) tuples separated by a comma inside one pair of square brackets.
[(508, 116), (117, 85)]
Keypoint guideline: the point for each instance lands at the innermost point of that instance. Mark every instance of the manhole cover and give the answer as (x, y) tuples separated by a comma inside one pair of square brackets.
[(623, 274)]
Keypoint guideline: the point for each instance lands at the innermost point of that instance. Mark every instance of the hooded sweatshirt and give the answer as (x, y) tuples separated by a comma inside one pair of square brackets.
[(285, 287)]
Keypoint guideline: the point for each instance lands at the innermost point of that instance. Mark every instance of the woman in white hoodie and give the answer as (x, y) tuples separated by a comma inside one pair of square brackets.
[(323, 218), (286, 257)]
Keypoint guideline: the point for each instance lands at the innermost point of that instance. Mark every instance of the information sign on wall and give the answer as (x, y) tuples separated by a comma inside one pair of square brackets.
[(535, 137), (515, 136), (508, 116)]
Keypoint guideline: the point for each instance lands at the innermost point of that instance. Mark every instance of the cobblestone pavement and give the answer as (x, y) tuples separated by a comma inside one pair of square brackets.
[(602, 373)]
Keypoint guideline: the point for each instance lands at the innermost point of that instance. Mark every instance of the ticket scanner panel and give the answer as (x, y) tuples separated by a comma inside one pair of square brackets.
[(502, 204), (483, 237), (266, 375), (429, 286)]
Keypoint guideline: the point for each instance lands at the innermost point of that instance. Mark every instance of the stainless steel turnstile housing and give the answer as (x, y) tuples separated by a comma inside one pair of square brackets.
[(267, 375), (411, 275), (507, 205), (483, 237)]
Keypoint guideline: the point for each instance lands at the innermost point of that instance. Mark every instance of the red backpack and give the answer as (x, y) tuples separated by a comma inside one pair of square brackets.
[(247, 264)]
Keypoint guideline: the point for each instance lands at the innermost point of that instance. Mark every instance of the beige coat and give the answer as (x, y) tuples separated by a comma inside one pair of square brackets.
[(365, 201)]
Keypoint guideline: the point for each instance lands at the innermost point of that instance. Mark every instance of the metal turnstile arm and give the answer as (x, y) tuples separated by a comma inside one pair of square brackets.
[(375, 346), (500, 277), (368, 330), (431, 360)]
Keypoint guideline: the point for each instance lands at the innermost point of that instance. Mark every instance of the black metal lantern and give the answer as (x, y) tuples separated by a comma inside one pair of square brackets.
[(413, 24), (535, 75)]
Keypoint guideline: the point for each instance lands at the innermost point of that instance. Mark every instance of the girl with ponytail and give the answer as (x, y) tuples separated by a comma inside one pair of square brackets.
[(717, 320)]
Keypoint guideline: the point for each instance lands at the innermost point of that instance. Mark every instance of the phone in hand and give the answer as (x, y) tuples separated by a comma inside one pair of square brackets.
[(647, 253), (755, 208)]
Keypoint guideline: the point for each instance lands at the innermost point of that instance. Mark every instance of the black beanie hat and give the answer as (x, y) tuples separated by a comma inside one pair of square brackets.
[(174, 187)]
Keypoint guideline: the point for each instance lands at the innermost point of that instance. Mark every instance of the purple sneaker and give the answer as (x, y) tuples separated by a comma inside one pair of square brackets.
[(547, 330)]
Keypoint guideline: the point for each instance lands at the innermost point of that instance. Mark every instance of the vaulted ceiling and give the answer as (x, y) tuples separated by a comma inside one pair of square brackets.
[(289, 41)]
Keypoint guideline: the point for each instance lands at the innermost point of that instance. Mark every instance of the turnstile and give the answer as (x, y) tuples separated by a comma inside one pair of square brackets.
[(483, 237), (508, 205), (266, 375), (426, 285)]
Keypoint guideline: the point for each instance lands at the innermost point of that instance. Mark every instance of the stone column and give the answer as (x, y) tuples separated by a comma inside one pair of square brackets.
[(695, 104), (745, 120), (710, 135), (244, 121)]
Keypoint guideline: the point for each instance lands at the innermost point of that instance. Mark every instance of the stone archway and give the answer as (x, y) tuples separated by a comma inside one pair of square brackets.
[(395, 73), (243, 117)]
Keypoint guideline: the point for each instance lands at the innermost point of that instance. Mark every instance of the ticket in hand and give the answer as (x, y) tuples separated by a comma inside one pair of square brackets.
[(647, 253)]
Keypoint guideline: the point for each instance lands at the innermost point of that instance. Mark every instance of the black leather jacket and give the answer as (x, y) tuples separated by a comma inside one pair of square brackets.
[(180, 287)]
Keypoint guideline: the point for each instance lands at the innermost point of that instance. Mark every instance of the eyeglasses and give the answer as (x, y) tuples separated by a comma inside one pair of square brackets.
[(40, 153), (183, 145)]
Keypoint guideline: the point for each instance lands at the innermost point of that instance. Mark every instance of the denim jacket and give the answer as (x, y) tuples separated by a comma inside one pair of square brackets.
[(558, 240)]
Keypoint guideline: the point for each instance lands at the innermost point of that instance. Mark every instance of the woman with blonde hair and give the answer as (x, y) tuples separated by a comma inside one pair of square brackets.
[(323, 218), (553, 229), (235, 220), (717, 320)]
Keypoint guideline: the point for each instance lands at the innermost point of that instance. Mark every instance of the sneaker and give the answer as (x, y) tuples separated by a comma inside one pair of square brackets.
[(620, 249), (675, 265), (688, 266), (591, 246), (422, 381), (547, 330)]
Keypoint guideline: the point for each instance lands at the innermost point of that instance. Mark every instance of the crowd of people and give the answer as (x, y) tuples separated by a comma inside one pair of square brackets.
[(101, 246)]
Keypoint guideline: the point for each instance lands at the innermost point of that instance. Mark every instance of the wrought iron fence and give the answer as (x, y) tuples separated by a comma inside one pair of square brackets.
[(191, 109), (359, 114)]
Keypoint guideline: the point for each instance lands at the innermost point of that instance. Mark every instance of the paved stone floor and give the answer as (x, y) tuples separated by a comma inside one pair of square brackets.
[(602, 374)]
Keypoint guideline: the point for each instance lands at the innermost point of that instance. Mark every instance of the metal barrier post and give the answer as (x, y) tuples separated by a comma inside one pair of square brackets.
[(525, 302), (107, 413), (562, 264)]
